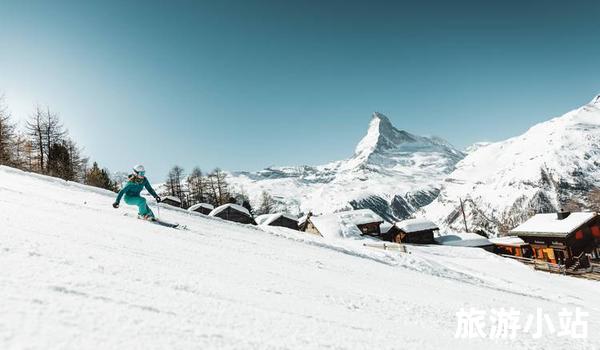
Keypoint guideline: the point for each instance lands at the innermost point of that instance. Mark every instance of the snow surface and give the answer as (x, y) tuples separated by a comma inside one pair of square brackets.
[(78, 274), (415, 225), (344, 224), (201, 205), (502, 184), (267, 219), (392, 171), (508, 241), (549, 223), (463, 239), (237, 207)]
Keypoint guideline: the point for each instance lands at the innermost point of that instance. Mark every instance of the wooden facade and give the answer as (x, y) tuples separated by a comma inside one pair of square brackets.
[(569, 248), (415, 231), (172, 201), (519, 250), (284, 221), (365, 220), (398, 235), (231, 213), (202, 208), (370, 229)]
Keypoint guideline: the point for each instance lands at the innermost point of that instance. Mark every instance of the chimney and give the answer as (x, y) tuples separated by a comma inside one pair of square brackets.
[(562, 214)]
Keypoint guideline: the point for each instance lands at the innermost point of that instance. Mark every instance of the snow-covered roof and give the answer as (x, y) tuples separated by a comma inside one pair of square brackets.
[(234, 206), (172, 198), (344, 224), (463, 239), (550, 225), (267, 219), (508, 241), (302, 219), (385, 227), (415, 225), (201, 205)]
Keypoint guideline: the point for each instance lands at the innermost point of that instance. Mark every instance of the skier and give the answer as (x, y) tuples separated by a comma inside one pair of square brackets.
[(135, 184)]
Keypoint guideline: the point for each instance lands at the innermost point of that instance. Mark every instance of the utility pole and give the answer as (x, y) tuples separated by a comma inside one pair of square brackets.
[(462, 209)]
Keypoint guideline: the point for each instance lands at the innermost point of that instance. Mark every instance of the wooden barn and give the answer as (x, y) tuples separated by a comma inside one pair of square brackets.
[(278, 219), (172, 200), (233, 212), (562, 238), (345, 224), (511, 245), (417, 231), (202, 208)]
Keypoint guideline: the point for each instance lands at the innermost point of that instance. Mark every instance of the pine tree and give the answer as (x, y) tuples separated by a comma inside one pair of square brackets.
[(100, 178), (59, 162)]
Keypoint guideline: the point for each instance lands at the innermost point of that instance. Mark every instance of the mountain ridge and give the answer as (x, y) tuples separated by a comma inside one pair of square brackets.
[(553, 165), (392, 171)]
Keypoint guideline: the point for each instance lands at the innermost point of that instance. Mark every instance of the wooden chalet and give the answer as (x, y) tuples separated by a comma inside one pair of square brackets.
[(202, 208), (278, 219), (416, 231), (233, 212), (511, 245), (562, 238), (172, 201), (344, 224)]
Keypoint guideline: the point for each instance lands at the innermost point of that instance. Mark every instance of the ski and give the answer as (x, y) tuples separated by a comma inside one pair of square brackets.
[(160, 222)]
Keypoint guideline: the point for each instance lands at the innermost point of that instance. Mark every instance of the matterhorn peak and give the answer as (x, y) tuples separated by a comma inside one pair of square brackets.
[(384, 140)]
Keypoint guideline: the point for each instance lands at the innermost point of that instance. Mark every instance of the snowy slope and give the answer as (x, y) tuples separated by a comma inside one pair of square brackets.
[(391, 172), (77, 273), (504, 183)]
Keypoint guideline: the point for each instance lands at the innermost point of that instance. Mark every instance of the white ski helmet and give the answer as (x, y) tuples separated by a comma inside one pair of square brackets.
[(139, 169)]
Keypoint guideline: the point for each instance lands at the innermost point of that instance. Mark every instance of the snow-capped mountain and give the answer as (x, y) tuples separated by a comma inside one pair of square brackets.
[(555, 164), (392, 172)]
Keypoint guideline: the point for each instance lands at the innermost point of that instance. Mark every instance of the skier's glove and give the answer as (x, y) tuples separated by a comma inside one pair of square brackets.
[(115, 205), (158, 200)]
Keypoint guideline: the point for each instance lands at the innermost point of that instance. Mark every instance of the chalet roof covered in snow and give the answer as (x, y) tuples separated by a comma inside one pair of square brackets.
[(550, 225), (267, 219), (344, 224), (201, 205), (416, 225), (463, 239), (172, 198), (512, 241), (234, 206)]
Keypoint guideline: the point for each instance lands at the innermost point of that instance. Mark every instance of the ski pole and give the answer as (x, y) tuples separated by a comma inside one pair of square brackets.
[(158, 209)]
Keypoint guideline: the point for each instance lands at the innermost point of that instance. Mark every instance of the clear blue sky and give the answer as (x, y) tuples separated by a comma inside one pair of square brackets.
[(247, 84)]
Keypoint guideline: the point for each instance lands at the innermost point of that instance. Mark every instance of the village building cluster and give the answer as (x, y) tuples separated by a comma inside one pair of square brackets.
[(559, 242)]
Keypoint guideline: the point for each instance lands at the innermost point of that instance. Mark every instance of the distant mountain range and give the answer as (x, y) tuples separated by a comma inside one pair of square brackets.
[(392, 172), (554, 165)]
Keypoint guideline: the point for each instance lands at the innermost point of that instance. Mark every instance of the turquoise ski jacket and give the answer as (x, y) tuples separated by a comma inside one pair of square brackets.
[(134, 187)]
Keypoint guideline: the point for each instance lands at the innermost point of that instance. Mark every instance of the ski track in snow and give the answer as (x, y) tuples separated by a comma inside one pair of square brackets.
[(77, 273)]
